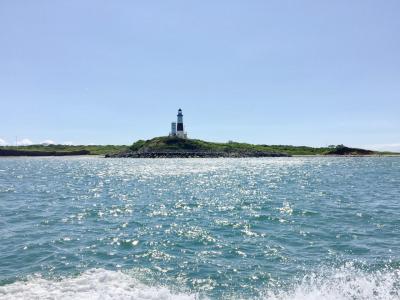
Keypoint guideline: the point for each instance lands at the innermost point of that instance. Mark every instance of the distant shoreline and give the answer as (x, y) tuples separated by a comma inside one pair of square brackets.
[(293, 156), (172, 147), (16, 153), (196, 154)]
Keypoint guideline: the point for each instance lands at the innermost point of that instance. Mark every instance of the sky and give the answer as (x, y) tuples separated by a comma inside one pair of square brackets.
[(295, 72)]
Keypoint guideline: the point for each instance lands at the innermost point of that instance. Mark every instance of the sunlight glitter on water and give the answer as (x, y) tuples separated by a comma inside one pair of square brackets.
[(216, 228)]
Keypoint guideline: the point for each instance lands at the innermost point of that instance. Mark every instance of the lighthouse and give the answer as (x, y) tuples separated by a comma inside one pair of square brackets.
[(177, 128)]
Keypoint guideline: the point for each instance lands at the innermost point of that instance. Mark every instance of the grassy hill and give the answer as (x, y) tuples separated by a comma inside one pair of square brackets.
[(176, 144), (177, 147), (343, 150)]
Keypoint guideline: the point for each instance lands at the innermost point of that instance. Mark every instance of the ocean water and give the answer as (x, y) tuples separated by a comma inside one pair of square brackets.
[(265, 228)]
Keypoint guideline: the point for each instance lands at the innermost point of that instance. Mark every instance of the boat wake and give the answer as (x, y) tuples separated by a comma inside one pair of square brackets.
[(345, 283), (92, 284)]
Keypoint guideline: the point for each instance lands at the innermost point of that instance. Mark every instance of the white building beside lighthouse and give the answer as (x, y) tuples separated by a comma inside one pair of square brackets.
[(177, 129)]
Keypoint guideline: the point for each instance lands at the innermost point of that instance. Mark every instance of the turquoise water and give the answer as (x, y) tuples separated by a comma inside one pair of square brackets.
[(270, 228)]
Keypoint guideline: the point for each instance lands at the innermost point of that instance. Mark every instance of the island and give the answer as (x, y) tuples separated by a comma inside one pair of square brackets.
[(174, 147), (178, 145)]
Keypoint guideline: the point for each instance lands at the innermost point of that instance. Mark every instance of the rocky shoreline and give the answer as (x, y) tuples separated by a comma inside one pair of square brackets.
[(194, 154)]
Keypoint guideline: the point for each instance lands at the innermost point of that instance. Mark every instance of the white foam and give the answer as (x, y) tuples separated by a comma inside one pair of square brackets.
[(93, 284), (346, 283)]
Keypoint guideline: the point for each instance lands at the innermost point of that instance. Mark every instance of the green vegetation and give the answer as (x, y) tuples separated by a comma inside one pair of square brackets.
[(176, 144), (160, 144), (92, 149), (343, 150)]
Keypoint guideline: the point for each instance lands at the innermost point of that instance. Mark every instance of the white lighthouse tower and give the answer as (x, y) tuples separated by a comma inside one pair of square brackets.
[(177, 129)]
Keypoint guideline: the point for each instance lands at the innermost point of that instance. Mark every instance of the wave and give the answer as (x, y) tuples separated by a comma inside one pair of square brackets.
[(345, 283), (92, 284)]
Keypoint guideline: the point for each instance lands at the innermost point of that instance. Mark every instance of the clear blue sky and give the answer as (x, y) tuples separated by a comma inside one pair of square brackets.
[(274, 72)]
